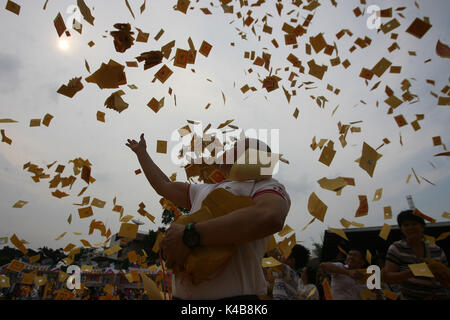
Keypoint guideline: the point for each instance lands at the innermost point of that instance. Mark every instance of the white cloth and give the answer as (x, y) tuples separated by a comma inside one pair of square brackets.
[(243, 275), (344, 287)]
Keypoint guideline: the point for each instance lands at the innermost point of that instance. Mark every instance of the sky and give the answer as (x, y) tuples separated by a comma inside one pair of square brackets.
[(33, 67)]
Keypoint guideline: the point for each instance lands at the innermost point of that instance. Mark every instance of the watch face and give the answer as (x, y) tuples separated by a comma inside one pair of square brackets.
[(191, 237)]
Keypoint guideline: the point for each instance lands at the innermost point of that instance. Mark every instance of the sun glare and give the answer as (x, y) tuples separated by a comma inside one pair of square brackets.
[(63, 45)]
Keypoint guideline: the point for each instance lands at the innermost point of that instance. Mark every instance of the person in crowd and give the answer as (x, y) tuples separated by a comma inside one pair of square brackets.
[(249, 228), (286, 282), (346, 278), (307, 289), (413, 249)]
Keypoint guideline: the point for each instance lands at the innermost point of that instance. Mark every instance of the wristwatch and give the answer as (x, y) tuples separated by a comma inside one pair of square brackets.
[(191, 238)]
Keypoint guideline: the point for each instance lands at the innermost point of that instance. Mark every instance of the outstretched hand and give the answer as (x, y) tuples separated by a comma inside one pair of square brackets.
[(175, 251), (137, 147)]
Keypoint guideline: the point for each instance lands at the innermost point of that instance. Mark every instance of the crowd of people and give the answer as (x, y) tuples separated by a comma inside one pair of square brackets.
[(300, 278), (249, 229), (243, 237), (297, 279), (33, 292)]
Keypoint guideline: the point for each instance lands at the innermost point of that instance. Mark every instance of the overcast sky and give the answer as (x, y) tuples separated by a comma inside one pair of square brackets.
[(33, 67)]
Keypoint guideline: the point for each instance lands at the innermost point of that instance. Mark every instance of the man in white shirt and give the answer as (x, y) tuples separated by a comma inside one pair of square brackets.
[(249, 228), (345, 279)]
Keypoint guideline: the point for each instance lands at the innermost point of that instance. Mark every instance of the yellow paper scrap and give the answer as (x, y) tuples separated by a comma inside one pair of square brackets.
[(421, 270), (270, 262), (161, 146), (98, 203), (378, 194), (327, 290), (384, 232), (20, 204), (387, 212), (19, 245), (368, 159), (150, 287), (35, 122), (128, 230), (4, 281), (126, 218), (286, 230), (345, 223), (47, 118), (307, 225), (339, 232), (363, 208), (59, 237), (286, 246), (13, 7), (85, 212), (5, 138), (443, 236), (316, 207)]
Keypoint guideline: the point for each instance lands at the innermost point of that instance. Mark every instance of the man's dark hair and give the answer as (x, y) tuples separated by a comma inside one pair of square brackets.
[(408, 215), (301, 256)]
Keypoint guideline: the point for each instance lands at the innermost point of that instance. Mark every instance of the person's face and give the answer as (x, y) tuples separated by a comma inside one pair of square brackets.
[(412, 230), (354, 259)]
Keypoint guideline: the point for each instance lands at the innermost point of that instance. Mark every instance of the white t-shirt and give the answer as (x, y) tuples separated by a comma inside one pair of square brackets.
[(344, 287), (243, 275)]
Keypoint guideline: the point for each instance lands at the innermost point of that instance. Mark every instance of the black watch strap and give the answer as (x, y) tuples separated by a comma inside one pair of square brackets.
[(191, 238)]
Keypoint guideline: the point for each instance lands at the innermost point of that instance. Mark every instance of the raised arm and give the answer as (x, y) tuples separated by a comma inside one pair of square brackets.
[(176, 192), (332, 268)]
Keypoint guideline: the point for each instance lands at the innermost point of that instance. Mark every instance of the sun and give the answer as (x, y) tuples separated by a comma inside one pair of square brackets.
[(63, 45)]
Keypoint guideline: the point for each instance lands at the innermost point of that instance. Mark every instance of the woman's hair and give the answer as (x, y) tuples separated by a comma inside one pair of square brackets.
[(408, 215)]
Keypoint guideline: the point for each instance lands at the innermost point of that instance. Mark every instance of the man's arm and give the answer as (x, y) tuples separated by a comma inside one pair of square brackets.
[(176, 192), (392, 273), (262, 219), (332, 268)]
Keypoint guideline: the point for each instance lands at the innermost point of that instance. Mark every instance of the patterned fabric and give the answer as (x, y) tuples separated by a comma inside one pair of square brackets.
[(417, 288), (285, 284), (308, 292), (344, 287)]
